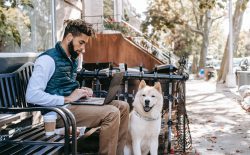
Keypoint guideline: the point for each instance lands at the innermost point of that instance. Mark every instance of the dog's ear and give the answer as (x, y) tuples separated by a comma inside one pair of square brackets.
[(157, 86), (142, 84)]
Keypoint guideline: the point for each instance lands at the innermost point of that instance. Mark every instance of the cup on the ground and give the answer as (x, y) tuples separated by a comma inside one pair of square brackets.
[(49, 124)]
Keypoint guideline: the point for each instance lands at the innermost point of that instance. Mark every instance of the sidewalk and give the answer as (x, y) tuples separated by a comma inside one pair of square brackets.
[(218, 124)]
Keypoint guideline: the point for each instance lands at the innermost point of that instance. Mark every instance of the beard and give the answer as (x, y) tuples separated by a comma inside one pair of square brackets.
[(72, 52)]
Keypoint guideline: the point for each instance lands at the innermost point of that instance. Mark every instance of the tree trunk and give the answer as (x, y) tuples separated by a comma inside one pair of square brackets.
[(194, 64), (205, 40), (237, 23), (224, 65)]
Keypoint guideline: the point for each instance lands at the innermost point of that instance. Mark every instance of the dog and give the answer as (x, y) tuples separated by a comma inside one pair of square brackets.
[(145, 121)]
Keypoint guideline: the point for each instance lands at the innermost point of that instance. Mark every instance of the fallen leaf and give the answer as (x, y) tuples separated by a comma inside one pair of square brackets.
[(212, 139)]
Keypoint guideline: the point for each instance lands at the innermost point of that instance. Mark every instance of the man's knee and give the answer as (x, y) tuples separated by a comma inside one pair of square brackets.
[(124, 105), (113, 113)]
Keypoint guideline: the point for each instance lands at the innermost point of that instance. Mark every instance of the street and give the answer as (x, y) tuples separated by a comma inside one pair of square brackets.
[(218, 124)]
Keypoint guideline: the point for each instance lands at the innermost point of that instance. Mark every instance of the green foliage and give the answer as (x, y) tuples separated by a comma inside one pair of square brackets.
[(110, 25), (126, 18), (108, 8), (27, 3), (184, 39), (181, 21), (165, 19), (244, 6), (161, 14), (206, 4), (8, 22), (16, 35)]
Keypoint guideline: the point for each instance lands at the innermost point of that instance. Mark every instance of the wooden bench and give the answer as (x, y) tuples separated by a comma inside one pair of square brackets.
[(16, 138)]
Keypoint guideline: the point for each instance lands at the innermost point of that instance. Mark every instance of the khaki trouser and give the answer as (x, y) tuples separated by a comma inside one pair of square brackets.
[(113, 120)]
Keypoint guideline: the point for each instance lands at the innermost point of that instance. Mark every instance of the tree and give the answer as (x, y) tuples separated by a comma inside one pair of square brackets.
[(164, 19), (108, 8), (9, 33), (237, 23), (186, 23)]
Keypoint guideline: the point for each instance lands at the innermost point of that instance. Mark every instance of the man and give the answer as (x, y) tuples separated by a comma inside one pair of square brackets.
[(53, 83)]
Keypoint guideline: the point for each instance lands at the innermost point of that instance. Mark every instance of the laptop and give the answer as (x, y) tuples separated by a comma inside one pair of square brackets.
[(114, 87)]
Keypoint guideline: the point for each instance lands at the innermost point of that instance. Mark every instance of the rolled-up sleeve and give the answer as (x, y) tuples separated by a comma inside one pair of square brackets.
[(44, 68)]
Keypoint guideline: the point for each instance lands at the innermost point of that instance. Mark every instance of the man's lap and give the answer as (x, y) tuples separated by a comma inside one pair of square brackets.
[(92, 115)]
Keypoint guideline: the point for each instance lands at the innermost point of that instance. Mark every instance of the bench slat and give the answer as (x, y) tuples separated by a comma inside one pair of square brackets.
[(54, 151), (37, 148), (49, 149), (37, 136), (18, 91), (4, 104), (28, 134), (4, 149), (23, 86), (8, 92), (26, 147), (12, 81)]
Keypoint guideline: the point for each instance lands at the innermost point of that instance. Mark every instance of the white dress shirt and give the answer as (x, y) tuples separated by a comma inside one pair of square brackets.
[(44, 68)]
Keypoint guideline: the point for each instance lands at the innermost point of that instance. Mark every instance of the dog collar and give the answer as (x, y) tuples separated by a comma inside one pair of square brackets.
[(146, 118)]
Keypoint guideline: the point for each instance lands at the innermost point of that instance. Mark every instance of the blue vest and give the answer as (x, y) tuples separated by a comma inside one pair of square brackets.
[(63, 81)]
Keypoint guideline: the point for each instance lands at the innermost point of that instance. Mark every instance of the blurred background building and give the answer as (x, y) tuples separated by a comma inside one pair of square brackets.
[(27, 25)]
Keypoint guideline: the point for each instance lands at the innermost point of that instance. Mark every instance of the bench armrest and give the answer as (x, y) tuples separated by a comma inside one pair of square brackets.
[(72, 120)]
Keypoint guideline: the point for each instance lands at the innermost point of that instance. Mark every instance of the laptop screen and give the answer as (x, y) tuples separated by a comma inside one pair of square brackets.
[(114, 87)]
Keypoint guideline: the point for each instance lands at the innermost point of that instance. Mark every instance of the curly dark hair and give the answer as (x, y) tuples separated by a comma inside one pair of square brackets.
[(78, 26)]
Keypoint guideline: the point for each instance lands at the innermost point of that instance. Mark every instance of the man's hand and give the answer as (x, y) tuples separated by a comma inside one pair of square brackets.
[(90, 91), (76, 95)]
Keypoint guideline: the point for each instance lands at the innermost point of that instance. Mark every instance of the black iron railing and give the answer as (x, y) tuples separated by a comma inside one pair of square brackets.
[(173, 83)]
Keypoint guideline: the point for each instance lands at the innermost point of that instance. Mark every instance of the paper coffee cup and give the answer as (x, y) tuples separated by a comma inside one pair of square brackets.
[(49, 124)]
